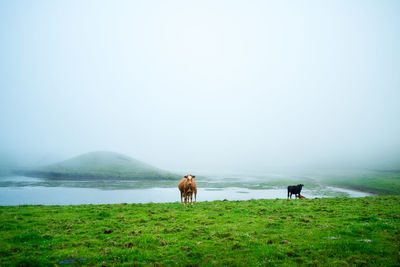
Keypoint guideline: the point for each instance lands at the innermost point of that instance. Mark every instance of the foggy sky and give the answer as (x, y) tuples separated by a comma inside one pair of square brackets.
[(202, 85)]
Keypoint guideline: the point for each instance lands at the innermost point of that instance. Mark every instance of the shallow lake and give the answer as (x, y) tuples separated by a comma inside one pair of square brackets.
[(25, 190)]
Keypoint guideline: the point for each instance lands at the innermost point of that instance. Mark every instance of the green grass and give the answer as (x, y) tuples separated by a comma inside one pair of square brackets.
[(377, 182), (377, 185), (335, 231)]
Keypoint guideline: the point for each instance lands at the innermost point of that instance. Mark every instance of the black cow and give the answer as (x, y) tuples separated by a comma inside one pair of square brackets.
[(294, 189)]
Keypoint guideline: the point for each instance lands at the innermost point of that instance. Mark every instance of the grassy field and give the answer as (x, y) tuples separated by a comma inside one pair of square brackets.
[(335, 231), (380, 182)]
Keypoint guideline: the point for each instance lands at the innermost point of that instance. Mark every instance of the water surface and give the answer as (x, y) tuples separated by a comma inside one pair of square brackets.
[(25, 190)]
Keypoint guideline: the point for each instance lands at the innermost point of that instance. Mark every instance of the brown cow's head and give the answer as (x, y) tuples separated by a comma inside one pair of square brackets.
[(189, 179)]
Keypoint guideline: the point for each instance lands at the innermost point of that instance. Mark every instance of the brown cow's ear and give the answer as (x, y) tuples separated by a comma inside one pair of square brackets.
[(193, 176), (185, 176)]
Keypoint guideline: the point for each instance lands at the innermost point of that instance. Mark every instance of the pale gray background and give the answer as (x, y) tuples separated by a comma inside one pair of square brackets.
[(202, 85)]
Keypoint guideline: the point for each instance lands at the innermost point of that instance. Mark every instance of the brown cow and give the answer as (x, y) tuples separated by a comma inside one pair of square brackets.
[(187, 186), (300, 196)]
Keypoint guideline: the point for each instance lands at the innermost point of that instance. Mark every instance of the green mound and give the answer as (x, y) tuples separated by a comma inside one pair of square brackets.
[(101, 165)]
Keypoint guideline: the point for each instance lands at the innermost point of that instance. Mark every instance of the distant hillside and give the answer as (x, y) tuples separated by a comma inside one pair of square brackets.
[(102, 166), (7, 164)]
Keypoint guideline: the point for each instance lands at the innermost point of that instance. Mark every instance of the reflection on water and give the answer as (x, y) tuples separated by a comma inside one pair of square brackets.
[(19, 179)]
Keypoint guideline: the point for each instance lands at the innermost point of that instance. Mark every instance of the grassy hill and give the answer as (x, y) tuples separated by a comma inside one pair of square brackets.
[(101, 165), (315, 232), (380, 182), (7, 164)]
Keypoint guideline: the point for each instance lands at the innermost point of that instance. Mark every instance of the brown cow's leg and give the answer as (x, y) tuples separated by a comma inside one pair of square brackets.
[(185, 195), (195, 196), (181, 197)]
